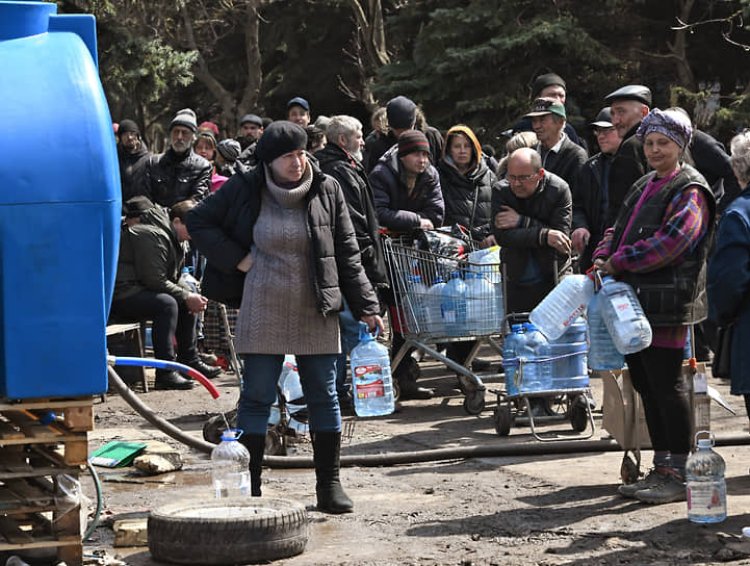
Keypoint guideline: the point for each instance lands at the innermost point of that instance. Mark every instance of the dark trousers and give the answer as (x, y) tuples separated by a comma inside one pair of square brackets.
[(171, 321), (657, 376)]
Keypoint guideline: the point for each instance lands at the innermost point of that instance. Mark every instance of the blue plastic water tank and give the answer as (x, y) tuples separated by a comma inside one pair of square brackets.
[(59, 205)]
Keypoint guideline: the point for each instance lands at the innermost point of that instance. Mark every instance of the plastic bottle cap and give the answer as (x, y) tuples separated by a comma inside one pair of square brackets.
[(746, 532)]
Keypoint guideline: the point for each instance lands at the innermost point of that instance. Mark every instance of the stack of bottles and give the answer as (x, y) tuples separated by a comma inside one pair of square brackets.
[(569, 353), (526, 360)]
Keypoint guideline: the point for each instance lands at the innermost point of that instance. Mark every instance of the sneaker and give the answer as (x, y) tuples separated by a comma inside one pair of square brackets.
[(653, 478), (671, 488)]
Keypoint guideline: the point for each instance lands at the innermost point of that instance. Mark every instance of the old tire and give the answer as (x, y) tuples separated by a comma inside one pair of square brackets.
[(227, 531)]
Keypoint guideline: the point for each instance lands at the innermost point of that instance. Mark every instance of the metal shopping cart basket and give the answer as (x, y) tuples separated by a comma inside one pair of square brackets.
[(426, 315)]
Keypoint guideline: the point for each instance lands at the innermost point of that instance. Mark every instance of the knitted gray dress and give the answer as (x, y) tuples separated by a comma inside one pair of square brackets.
[(279, 314)]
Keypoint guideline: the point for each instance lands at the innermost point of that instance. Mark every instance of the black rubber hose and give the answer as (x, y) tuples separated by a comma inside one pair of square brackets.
[(396, 458)]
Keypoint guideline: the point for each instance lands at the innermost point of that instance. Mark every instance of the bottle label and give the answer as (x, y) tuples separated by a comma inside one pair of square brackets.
[(623, 308), (705, 499), (368, 381)]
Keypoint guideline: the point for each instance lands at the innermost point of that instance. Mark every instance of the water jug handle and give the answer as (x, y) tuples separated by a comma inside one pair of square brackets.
[(364, 331), (708, 433), (83, 25)]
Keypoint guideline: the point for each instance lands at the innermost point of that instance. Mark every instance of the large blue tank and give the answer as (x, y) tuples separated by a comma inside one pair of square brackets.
[(59, 205)]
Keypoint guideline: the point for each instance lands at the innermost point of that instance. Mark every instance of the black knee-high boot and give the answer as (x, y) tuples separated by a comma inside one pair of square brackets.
[(326, 455), (256, 445)]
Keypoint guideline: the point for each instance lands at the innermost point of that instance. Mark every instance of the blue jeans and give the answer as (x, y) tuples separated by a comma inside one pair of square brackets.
[(259, 381), (349, 327)]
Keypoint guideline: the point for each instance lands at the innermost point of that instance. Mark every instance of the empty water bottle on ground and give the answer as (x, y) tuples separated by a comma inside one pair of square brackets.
[(435, 323), (706, 486), (230, 463), (372, 385), (510, 358), (563, 305), (602, 355), (624, 317), (454, 305)]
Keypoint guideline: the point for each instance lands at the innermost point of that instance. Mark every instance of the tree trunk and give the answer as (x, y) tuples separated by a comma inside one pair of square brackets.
[(679, 48), (254, 78)]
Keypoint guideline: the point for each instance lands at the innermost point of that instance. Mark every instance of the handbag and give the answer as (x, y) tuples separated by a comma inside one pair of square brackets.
[(723, 355)]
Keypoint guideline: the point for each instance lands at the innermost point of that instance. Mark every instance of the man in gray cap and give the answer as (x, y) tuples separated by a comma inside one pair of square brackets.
[(629, 104), (591, 189), (251, 129), (179, 173)]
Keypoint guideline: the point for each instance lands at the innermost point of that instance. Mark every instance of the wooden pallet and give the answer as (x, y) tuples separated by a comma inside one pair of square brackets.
[(33, 457)]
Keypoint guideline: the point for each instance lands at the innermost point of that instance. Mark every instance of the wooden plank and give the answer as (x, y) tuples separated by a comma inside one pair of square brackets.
[(11, 531), (113, 329), (44, 437), (46, 403), (9, 432), (79, 419)]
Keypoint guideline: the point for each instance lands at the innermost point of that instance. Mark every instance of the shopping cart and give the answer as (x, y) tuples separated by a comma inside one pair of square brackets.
[(426, 317), (567, 365)]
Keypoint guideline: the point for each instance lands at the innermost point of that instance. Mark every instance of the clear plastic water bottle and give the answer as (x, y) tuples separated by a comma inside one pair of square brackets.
[(435, 323), (187, 280), (230, 463), (624, 317), (602, 355), (537, 374), (563, 305), (372, 385), (454, 305), (417, 293), (511, 345), (484, 307), (706, 486)]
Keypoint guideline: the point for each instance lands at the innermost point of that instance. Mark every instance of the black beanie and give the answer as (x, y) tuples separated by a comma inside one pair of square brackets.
[(229, 149), (279, 138), (543, 81), (401, 112), (411, 141), (128, 126)]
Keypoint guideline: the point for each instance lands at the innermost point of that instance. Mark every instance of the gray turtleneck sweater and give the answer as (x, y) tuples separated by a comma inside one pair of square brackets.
[(279, 312)]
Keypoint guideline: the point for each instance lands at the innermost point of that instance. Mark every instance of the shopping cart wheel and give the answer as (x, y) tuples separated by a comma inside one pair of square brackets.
[(579, 416), (503, 417), (474, 402)]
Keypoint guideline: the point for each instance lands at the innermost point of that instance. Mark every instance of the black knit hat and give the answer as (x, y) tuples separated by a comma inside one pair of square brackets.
[(128, 126), (401, 112), (411, 141), (135, 206), (229, 149), (543, 81), (279, 138)]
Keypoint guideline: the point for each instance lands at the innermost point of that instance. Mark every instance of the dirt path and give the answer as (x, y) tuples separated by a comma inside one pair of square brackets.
[(514, 510)]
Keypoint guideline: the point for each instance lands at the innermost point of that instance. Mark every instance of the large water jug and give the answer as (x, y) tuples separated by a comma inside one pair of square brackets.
[(417, 304), (59, 205), (435, 323), (602, 355), (706, 486), (568, 366), (533, 354), (372, 385), (624, 317), (454, 305), (230, 463), (484, 307), (511, 345), (563, 305)]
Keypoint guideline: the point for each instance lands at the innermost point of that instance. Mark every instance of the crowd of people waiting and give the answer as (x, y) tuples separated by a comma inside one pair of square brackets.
[(289, 216)]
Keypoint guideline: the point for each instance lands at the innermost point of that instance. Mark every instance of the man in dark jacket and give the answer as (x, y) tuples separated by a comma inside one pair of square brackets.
[(251, 128), (532, 214), (179, 173), (148, 285), (559, 155), (407, 195), (629, 105), (342, 159), (590, 191), (133, 155)]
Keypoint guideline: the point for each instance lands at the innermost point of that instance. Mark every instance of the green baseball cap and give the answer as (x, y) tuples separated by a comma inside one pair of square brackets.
[(544, 106)]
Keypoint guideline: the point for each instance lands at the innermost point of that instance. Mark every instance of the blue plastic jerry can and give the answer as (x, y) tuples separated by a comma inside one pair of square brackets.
[(59, 205)]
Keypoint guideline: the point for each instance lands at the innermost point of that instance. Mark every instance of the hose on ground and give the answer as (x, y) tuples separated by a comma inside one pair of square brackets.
[(396, 458), (99, 501)]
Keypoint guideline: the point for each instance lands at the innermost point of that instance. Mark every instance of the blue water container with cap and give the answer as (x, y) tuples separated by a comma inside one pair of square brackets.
[(59, 205)]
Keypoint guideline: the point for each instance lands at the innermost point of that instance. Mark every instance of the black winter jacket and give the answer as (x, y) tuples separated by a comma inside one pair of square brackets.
[(566, 162), (587, 194), (132, 170), (171, 178), (352, 179), (468, 198), (711, 160), (629, 165), (376, 144), (548, 208), (221, 227), (397, 209)]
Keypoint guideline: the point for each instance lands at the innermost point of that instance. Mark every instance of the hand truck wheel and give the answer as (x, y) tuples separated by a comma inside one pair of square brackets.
[(503, 417), (474, 402)]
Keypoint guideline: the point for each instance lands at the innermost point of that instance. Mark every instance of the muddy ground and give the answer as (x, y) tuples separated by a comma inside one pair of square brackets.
[(544, 509)]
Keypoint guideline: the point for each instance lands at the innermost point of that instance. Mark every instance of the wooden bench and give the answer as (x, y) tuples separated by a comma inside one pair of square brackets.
[(132, 332)]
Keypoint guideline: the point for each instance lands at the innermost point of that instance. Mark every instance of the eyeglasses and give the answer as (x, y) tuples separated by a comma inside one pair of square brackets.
[(519, 178), (603, 131)]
